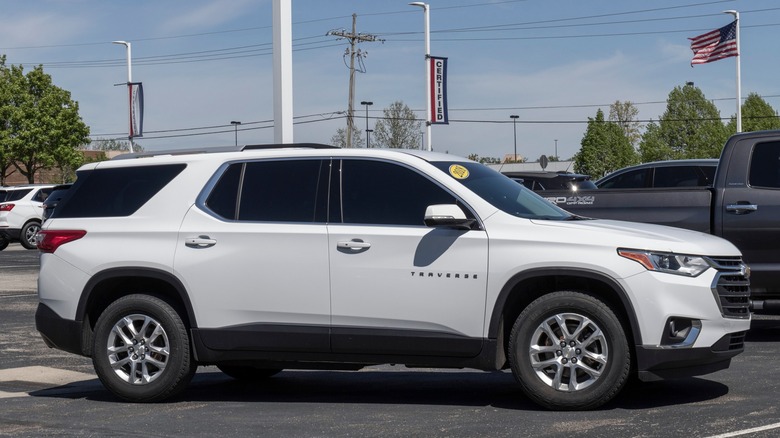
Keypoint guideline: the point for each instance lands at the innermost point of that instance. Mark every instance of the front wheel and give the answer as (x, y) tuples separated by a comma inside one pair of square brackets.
[(3, 243), (28, 233), (141, 349), (569, 351)]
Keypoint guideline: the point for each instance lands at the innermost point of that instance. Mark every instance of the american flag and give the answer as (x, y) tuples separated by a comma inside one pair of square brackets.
[(717, 44)]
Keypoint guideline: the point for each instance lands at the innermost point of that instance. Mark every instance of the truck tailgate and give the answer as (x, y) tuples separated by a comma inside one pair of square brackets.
[(684, 208)]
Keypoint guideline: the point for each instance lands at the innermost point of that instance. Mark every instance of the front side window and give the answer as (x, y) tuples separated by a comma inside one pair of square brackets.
[(677, 176), (377, 192), (502, 192), (765, 165)]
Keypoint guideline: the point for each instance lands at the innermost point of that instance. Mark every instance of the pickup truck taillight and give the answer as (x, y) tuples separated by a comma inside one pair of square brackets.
[(50, 240), (6, 207)]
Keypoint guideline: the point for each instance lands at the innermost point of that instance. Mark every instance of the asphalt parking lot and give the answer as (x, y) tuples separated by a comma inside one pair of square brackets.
[(46, 392)]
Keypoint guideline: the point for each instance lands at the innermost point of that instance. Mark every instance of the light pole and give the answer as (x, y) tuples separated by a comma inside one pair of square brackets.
[(426, 13), (556, 149), (129, 91), (235, 123), (367, 103), (514, 128)]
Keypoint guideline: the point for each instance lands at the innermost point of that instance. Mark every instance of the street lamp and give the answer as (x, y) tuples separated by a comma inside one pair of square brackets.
[(129, 90), (556, 149), (235, 123), (514, 128), (368, 131), (426, 12)]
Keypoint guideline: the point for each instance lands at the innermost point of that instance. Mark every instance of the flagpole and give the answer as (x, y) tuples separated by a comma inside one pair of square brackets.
[(739, 82)]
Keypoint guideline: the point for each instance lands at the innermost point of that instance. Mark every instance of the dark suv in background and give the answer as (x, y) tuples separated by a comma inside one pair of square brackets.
[(539, 180), (671, 173)]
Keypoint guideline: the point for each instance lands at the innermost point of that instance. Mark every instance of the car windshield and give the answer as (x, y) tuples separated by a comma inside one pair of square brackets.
[(502, 192)]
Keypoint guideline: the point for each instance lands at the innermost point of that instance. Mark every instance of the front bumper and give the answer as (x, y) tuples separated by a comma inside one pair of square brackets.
[(656, 363), (10, 233)]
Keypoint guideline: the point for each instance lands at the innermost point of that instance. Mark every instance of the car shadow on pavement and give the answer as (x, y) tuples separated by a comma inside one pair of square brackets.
[(429, 387)]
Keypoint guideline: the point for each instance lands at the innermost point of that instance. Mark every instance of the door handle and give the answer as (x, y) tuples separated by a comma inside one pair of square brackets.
[(741, 208), (199, 242), (355, 245)]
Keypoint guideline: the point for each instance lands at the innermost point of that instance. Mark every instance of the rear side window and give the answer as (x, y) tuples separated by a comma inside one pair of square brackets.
[(765, 165), (272, 191), (635, 179), (15, 195), (115, 192)]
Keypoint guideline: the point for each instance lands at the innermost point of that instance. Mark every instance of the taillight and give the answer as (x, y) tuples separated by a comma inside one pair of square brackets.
[(50, 240), (6, 207)]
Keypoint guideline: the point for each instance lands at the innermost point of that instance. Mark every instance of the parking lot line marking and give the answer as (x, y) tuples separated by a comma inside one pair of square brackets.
[(41, 375), (748, 431)]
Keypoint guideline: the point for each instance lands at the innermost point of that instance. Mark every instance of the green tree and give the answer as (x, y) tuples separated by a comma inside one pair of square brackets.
[(757, 115), (605, 148), (398, 129), (42, 122), (484, 160), (6, 98), (625, 114), (340, 138), (112, 144), (689, 128)]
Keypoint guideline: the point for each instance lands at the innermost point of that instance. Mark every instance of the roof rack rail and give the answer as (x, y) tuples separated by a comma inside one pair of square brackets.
[(289, 146), (216, 149)]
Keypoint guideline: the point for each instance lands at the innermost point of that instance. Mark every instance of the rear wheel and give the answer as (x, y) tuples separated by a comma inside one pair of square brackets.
[(28, 233), (141, 349), (3, 243), (569, 351), (248, 373)]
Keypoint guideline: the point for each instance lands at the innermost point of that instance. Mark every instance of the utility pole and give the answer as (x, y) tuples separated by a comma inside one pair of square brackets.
[(354, 38)]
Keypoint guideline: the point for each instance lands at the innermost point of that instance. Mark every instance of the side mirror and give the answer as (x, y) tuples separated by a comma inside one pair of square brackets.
[(447, 215)]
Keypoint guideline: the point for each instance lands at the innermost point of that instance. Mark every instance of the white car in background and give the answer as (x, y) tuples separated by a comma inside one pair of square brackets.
[(20, 213)]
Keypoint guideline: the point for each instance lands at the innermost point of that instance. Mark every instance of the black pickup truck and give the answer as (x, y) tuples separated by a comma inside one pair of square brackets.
[(742, 206)]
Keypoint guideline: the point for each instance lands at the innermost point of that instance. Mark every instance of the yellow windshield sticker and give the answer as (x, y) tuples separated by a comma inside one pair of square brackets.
[(459, 172)]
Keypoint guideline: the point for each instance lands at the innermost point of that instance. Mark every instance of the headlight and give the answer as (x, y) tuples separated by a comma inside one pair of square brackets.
[(679, 264)]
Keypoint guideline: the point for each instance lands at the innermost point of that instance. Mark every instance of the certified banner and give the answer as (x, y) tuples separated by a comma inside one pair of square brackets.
[(438, 91), (136, 92)]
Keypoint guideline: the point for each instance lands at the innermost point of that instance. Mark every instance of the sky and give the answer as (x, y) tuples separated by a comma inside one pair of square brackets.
[(205, 63)]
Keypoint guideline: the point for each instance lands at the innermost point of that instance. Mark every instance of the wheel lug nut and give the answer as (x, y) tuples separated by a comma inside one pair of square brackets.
[(573, 360), (558, 352), (578, 351), (563, 344), (572, 343), (564, 361), (135, 357)]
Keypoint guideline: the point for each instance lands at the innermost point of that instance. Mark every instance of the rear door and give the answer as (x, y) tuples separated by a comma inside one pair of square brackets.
[(254, 254)]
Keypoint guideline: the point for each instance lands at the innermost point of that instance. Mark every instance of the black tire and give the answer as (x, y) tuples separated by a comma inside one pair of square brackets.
[(579, 368), (4, 243), (157, 364), (248, 373), (27, 234)]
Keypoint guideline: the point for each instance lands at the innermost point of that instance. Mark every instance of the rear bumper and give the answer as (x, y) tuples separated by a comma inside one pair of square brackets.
[(60, 333), (656, 363)]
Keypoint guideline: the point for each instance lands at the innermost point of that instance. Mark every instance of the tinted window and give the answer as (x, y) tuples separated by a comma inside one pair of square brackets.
[(284, 191), (634, 179), (115, 192), (677, 176), (42, 194), (222, 199), (709, 174), (502, 192), (375, 192), (15, 195), (765, 165)]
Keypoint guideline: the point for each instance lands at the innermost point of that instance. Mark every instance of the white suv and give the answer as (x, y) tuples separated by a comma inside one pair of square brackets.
[(20, 213), (314, 257)]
